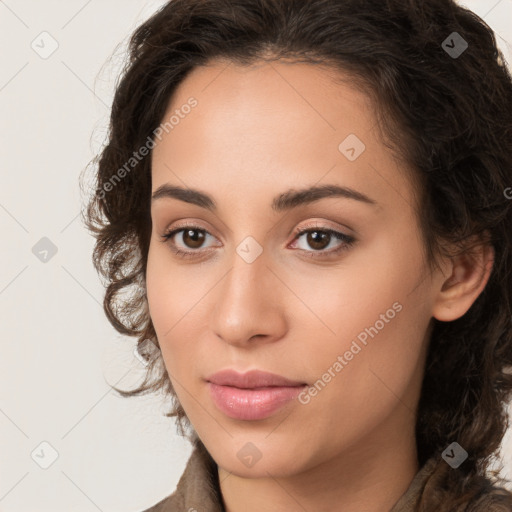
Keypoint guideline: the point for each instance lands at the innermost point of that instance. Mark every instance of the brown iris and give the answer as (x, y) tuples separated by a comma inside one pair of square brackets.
[(195, 235), (315, 239)]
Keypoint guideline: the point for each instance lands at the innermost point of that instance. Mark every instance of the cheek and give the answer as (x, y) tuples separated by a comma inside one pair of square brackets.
[(175, 299), (169, 290), (340, 302), (157, 288), (374, 314), (166, 303)]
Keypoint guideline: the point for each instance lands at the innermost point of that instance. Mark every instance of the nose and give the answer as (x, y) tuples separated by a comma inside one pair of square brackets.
[(249, 304)]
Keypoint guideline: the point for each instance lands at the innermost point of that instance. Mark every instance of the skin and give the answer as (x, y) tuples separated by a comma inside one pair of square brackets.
[(255, 133)]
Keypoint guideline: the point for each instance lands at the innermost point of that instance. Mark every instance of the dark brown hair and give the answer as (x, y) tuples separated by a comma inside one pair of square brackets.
[(447, 116)]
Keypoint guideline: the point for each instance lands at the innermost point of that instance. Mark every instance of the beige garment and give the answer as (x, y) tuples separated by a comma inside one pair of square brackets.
[(198, 489)]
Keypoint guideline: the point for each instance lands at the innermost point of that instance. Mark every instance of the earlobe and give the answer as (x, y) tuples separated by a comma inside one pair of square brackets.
[(469, 275)]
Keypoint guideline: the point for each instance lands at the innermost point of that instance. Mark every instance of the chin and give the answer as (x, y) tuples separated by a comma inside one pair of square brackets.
[(258, 459)]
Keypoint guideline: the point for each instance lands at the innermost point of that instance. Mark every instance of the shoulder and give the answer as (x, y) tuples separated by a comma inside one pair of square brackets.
[(497, 499), (197, 488), (168, 504), (431, 490)]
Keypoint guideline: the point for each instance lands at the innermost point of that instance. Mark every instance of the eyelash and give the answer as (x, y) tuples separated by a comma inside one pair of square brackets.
[(347, 241)]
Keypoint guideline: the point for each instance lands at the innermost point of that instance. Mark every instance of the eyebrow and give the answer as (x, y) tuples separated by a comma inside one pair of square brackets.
[(285, 201)]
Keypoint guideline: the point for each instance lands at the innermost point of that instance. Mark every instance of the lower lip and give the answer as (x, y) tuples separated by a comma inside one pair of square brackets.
[(252, 404)]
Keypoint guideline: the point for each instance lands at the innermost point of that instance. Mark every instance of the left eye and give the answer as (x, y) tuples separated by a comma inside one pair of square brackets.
[(320, 238), (193, 238)]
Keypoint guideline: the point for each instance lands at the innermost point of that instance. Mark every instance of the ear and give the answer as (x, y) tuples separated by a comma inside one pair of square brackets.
[(467, 276)]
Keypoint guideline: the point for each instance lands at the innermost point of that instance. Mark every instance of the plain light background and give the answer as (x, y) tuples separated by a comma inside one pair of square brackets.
[(59, 353)]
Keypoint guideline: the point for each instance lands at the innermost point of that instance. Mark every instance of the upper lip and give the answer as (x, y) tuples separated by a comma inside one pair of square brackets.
[(251, 379)]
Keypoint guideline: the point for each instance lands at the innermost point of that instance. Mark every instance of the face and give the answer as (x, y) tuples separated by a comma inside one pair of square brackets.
[(328, 290)]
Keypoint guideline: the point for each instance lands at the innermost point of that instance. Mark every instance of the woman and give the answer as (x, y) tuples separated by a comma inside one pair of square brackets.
[(310, 205)]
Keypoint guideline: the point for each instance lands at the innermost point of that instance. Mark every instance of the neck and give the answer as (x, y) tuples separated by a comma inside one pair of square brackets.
[(371, 475)]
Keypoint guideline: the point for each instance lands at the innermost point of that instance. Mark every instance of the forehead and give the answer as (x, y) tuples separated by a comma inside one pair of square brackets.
[(324, 100), (280, 119)]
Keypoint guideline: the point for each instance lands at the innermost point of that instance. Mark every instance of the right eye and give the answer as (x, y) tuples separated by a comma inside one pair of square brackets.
[(192, 237)]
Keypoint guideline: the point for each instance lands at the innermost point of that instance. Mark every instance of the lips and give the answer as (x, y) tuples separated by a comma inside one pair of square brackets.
[(251, 379), (254, 395)]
